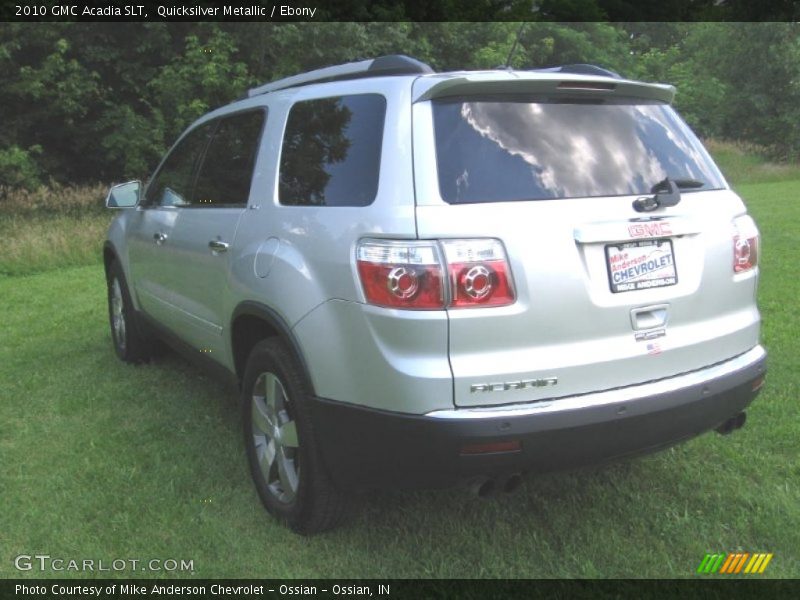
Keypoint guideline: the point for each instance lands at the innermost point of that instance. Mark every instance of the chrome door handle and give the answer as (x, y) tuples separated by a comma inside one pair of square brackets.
[(159, 238), (218, 246)]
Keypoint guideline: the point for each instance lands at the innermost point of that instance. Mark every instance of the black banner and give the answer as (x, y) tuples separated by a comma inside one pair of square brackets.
[(396, 10), (396, 589)]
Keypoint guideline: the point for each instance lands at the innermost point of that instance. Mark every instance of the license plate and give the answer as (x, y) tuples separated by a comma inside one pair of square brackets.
[(640, 265)]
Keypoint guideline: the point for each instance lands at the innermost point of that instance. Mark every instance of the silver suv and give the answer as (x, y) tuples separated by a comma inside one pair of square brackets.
[(418, 277)]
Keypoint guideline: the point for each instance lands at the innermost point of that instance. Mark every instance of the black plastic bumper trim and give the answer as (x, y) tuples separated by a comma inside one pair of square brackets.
[(363, 447)]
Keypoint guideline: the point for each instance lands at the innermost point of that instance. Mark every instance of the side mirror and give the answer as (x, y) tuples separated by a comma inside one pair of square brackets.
[(124, 195)]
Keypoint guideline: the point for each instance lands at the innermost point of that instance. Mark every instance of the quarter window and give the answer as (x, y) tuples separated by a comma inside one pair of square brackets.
[(331, 152)]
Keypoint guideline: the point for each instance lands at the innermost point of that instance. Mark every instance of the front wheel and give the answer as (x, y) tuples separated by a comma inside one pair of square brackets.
[(129, 343), (279, 439)]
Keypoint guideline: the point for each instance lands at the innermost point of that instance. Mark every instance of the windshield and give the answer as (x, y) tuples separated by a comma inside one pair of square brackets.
[(504, 150)]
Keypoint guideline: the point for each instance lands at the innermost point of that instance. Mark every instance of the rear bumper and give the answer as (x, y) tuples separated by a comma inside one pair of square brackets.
[(367, 447)]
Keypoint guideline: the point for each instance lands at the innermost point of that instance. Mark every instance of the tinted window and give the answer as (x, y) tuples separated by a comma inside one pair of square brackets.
[(489, 151), (331, 153), (172, 185), (227, 171)]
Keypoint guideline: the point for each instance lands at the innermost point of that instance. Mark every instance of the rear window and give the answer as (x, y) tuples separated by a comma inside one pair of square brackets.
[(506, 150), (331, 152)]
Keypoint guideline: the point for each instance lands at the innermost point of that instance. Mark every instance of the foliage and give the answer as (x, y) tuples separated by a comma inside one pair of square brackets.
[(551, 44), (18, 168), (204, 76), (744, 163), (735, 80), (103, 101), (54, 199), (52, 227)]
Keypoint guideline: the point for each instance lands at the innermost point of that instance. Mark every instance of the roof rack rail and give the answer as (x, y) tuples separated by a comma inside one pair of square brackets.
[(581, 69), (392, 64)]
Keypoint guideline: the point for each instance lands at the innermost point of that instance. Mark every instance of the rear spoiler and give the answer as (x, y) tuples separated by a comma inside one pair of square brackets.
[(551, 84)]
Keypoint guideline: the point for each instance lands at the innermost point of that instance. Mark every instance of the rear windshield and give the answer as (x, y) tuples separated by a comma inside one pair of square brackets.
[(504, 150)]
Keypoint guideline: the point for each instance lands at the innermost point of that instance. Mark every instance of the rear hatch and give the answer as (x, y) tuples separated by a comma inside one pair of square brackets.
[(616, 281)]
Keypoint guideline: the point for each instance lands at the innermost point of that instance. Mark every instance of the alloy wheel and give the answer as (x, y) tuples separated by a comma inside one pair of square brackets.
[(275, 437), (118, 314)]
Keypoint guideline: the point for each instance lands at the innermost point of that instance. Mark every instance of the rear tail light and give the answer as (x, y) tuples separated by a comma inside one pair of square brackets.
[(401, 274), (478, 272), (412, 274), (745, 245)]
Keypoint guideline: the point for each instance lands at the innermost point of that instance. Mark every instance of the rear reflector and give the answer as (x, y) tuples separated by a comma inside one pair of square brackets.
[(758, 383), (492, 447)]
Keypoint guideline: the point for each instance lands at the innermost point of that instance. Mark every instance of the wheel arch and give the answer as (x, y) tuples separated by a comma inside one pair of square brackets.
[(109, 256), (252, 322)]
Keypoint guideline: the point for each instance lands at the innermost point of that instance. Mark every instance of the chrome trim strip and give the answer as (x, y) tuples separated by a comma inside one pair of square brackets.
[(626, 394)]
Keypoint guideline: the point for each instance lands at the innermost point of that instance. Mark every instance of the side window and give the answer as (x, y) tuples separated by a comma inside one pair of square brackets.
[(331, 152), (172, 185), (227, 171)]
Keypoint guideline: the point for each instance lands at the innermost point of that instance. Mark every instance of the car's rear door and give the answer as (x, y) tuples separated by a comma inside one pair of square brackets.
[(606, 295)]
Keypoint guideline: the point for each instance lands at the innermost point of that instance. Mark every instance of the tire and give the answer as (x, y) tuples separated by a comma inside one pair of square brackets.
[(279, 439), (129, 343)]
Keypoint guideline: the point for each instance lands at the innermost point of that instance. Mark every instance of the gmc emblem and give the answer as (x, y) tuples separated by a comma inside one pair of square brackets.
[(656, 229)]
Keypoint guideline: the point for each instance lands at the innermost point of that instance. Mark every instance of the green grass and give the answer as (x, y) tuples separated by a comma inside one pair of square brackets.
[(42, 243), (742, 163), (51, 228), (106, 461)]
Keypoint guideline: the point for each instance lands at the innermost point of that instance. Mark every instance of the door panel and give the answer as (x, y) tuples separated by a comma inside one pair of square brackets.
[(147, 253), (198, 273), (202, 239), (152, 243)]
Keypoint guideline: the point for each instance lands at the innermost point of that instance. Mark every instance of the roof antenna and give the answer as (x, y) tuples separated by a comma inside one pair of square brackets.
[(514, 47)]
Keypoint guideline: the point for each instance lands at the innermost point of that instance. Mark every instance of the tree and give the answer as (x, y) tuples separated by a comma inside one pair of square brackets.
[(103, 101)]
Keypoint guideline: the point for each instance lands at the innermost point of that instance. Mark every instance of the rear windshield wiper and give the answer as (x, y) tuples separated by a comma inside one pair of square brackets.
[(683, 184), (667, 193)]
